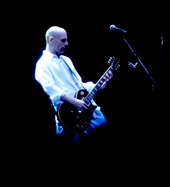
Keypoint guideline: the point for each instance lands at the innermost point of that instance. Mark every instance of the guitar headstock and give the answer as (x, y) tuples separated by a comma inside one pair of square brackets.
[(116, 65), (111, 60)]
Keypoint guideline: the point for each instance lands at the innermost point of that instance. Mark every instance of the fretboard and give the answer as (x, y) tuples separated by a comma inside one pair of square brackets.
[(98, 85)]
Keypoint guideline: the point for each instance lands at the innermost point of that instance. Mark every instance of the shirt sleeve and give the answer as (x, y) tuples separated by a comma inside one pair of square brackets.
[(45, 78), (88, 85)]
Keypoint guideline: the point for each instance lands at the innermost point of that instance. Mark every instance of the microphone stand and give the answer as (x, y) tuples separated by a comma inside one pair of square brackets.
[(144, 68)]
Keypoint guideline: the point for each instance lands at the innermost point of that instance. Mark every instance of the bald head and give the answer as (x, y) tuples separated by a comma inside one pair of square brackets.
[(56, 40), (53, 31)]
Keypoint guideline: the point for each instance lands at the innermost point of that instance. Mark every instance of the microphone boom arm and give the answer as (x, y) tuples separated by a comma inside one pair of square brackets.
[(140, 62)]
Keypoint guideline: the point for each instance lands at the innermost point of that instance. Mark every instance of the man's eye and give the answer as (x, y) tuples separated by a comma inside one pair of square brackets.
[(64, 40)]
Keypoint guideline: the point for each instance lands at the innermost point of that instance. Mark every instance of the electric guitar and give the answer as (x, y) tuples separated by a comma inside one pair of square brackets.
[(75, 120)]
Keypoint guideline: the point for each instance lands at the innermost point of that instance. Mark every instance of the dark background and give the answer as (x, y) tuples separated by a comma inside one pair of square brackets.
[(137, 117), (128, 102)]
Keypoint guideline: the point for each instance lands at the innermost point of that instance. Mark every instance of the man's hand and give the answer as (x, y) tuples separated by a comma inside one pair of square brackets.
[(108, 77), (79, 104)]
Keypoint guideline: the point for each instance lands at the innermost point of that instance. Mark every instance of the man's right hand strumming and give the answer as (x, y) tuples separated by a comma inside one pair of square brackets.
[(79, 104)]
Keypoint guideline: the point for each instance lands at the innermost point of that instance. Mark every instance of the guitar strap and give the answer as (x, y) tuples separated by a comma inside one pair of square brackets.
[(74, 76)]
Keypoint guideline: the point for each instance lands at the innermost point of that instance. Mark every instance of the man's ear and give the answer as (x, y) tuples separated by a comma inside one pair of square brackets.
[(50, 39)]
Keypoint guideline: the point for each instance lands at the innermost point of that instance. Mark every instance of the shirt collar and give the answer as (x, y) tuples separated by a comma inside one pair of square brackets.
[(50, 55)]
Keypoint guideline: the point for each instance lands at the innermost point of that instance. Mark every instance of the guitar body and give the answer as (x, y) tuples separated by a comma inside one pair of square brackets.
[(77, 121), (73, 120)]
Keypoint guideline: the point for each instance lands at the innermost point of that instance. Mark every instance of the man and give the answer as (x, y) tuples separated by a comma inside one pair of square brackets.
[(60, 80)]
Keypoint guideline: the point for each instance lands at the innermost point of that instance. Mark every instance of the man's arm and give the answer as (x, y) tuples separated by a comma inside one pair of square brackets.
[(79, 104)]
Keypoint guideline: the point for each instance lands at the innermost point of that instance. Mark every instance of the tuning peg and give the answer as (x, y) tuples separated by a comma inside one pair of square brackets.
[(117, 66), (111, 59)]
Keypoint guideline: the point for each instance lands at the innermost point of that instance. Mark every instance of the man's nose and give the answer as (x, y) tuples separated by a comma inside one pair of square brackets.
[(66, 43)]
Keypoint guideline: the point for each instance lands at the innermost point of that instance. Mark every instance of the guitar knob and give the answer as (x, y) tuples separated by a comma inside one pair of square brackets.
[(82, 127), (81, 93), (77, 126)]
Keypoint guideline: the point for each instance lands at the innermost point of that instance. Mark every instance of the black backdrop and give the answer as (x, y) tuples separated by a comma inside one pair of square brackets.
[(137, 117), (128, 102)]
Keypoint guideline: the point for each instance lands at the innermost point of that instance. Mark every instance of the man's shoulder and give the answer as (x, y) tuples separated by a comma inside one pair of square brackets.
[(42, 63), (43, 58)]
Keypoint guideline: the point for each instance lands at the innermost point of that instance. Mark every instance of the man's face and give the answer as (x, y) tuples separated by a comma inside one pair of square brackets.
[(59, 42)]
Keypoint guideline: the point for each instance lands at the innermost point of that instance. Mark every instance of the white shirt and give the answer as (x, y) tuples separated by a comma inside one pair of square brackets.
[(56, 78)]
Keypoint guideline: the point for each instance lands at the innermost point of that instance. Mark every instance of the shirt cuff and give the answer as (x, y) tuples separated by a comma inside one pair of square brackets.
[(56, 99)]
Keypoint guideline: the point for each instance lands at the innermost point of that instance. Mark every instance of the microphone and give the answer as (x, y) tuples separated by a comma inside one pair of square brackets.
[(113, 27)]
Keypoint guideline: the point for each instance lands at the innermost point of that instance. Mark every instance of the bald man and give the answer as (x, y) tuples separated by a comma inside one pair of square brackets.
[(60, 80)]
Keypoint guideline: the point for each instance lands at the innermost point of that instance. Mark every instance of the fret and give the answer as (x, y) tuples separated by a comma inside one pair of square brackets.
[(95, 89)]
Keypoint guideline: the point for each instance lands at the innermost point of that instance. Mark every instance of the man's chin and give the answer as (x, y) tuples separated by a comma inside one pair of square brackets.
[(62, 51)]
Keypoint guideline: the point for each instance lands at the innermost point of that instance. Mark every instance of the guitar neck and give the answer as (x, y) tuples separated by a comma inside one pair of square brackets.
[(98, 85)]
